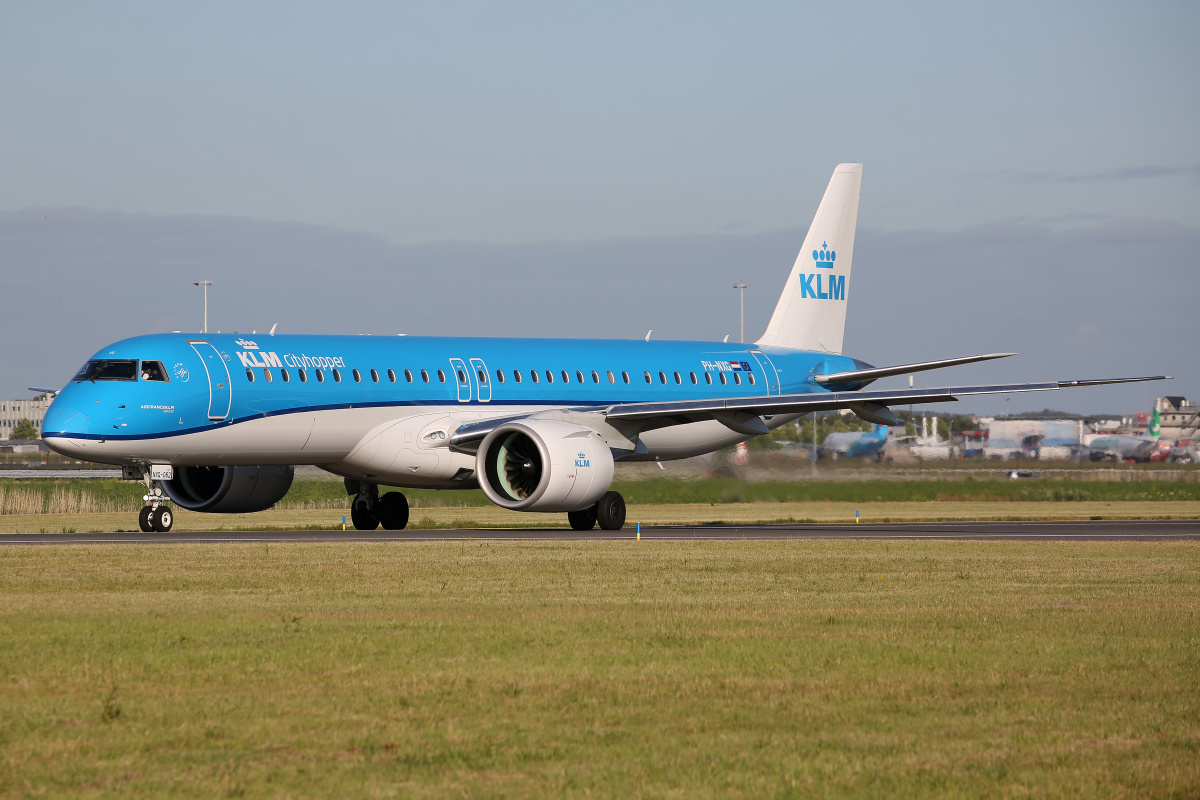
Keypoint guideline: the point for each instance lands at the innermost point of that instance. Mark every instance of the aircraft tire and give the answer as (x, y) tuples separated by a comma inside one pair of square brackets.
[(364, 517), (144, 519), (610, 511), (582, 520), (393, 511), (162, 519)]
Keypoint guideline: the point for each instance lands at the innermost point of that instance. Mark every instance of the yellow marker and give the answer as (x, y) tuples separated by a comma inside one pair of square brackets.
[(343, 522)]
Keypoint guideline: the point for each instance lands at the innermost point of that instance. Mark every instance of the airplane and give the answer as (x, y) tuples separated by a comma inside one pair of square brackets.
[(217, 422), (1122, 446), (868, 444)]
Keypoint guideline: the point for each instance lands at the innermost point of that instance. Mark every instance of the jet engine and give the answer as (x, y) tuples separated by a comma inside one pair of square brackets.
[(229, 490), (543, 465)]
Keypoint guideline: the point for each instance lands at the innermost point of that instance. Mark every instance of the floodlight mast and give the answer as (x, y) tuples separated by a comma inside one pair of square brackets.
[(742, 286), (205, 284)]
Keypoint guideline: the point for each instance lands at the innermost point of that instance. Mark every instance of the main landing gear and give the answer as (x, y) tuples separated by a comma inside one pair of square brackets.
[(368, 510), (158, 515), (609, 512)]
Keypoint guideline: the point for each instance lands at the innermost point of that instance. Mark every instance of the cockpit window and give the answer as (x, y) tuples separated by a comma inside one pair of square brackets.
[(154, 371), (109, 369)]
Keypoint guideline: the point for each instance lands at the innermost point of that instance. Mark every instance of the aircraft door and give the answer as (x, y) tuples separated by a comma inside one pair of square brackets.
[(483, 384), (462, 379), (769, 371), (220, 394)]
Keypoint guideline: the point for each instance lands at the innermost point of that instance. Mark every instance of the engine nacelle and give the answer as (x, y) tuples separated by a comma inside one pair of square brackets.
[(229, 490), (544, 465)]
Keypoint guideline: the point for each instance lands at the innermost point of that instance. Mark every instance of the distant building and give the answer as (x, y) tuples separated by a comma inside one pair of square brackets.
[(13, 411), (1179, 418), (1032, 438)]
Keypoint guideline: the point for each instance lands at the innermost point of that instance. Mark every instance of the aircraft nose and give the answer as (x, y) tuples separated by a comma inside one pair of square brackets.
[(62, 420)]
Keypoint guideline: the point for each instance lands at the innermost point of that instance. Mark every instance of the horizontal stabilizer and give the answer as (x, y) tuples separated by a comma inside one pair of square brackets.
[(875, 373)]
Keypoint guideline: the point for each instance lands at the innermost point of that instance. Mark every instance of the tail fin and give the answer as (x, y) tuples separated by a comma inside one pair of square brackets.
[(811, 313), (1155, 425)]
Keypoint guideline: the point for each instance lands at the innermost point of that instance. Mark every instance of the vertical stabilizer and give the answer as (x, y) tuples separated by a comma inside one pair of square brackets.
[(811, 313)]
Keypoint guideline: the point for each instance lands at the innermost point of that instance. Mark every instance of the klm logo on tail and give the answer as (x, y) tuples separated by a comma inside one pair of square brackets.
[(811, 285)]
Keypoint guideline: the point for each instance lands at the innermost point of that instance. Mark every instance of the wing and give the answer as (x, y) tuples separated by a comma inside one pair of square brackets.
[(741, 413), (865, 376)]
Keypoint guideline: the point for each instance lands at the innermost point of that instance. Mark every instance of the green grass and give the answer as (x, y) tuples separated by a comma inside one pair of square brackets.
[(779, 669), (99, 496)]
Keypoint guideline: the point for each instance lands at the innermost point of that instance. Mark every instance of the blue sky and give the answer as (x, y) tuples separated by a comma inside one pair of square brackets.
[(590, 125)]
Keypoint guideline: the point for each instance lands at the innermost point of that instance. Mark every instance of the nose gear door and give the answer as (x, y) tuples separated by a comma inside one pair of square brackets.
[(482, 384), (220, 395)]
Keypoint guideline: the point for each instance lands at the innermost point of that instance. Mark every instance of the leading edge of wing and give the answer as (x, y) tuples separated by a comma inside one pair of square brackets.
[(828, 401)]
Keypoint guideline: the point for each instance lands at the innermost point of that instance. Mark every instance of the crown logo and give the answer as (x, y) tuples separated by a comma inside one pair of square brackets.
[(824, 257), (246, 343)]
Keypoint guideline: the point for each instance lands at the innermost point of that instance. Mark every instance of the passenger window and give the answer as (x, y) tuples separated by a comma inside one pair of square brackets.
[(648, 378), (750, 377), (517, 375), (611, 378), (677, 378), (267, 375), (625, 376), (320, 375), (500, 375), (424, 375), (595, 376), (533, 374), (375, 376), (462, 376), (283, 373), (250, 375), (482, 377), (407, 376), (723, 381), (441, 376), (337, 376), (357, 376), (737, 378), (566, 377), (662, 377), (303, 375), (154, 371), (549, 376), (693, 375), (708, 378), (579, 376)]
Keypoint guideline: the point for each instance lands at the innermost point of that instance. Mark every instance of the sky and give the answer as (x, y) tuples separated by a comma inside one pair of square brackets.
[(1031, 180)]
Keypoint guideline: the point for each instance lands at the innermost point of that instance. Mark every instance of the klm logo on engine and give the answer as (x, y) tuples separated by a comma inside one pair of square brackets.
[(823, 286), (582, 460)]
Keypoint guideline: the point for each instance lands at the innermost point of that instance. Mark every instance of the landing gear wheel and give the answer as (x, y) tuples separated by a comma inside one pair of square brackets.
[(365, 518), (393, 511), (582, 520), (144, 519), (610, 511), (162, 518)]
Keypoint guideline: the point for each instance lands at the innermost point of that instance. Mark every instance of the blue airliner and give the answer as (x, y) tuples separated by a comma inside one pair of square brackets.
[(217, 423), (855, 444)]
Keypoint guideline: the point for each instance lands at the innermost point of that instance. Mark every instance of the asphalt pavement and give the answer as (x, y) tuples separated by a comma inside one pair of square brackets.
[(1090, 531)]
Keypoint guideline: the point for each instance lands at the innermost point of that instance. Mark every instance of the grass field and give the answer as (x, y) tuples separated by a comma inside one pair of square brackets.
[(775, 669), (104, 496)]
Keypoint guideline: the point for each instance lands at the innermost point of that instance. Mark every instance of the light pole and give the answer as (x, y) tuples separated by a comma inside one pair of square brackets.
[(742, 286), (205, 284)]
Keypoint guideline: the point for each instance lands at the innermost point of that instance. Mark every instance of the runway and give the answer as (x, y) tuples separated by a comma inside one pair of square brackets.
[(1092, 531)]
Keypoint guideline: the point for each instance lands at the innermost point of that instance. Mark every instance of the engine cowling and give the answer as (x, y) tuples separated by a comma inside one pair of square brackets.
[(229, 490), (544, 465)]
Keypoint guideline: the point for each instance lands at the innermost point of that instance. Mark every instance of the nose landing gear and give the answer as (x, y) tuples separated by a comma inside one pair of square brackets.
[(158, 515)]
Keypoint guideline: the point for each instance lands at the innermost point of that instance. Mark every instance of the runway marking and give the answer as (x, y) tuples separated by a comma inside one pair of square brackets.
[(1096, 531)]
